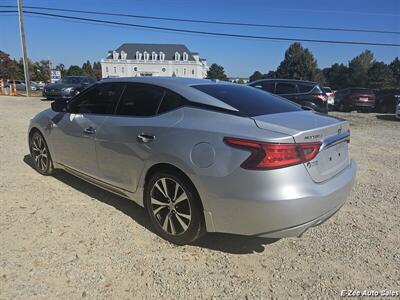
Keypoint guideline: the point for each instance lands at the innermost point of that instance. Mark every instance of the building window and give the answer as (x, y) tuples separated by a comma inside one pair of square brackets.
[(146, 55), (184, 71), (123, 55), (185, 56), (115, 55), (135, 69), (138, 55), (162, 56), (192, 72), (164, 69), (177, 56), (153, 56), (107, 69), (115, 69)]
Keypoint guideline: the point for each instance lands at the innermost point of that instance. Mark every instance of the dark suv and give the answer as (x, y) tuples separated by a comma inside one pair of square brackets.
[(386, 100), (306, 93), (360, 99), (67, 87)]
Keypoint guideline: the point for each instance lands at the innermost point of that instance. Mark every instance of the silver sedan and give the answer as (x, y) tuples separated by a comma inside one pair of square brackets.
[(200, 155)]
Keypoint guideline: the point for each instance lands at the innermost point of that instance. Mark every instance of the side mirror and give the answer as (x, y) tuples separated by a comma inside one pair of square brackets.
[(59, 105)]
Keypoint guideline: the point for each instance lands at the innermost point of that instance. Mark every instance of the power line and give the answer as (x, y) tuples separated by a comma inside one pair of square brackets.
[(208, 33), (209, 21)]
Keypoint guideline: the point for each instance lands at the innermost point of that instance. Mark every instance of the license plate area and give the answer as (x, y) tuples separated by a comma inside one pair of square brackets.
[(329, 162)]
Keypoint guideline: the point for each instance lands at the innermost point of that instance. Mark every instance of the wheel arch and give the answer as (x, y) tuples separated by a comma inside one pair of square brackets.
[(169, 167)]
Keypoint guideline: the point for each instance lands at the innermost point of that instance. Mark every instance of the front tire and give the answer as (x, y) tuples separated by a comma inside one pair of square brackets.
[(40, 154), (174, 207)]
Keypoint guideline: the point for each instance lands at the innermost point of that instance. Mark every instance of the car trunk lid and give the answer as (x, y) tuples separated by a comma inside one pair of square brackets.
[(307, 126)]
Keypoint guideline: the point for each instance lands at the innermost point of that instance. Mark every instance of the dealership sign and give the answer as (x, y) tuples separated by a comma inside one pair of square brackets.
[(55, 75)]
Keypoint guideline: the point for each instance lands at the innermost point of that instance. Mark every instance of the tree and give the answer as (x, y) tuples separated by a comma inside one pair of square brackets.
[(74, 70), (299, 63), (337, 76), (395, 68), (216, 72), (358, 69), (87, 69), (256, 76), (380, 76), (97, 70), (8, 67), (271, 74)]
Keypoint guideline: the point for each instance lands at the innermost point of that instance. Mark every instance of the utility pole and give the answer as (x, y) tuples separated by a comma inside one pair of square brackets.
[(23, 45)]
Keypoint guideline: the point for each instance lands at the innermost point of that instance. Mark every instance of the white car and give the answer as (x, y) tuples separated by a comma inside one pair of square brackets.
[(398, 108)]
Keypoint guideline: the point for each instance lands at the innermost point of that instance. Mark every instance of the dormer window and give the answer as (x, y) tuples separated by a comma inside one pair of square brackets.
[(138, 55), (162, 56), (146, 55), (115, 55), (123, 55), (185, 56), (177, 56), (153, 56)]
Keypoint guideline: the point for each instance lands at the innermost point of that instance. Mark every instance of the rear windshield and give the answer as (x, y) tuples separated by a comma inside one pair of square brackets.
[(362, 91), (248, 100), (327, 89)]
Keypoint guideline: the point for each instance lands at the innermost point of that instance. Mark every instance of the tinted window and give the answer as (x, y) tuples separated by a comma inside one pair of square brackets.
[(305, 88), (101, 99), (327, 90), (70, 80), (170, 102), (285, 88), (140, 100), (247, 100), (268, 86)]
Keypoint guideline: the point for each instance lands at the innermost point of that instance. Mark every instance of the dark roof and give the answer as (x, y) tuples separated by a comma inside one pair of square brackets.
[(168, 49)]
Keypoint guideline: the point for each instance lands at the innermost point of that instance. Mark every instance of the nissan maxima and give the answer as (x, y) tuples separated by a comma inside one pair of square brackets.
[(201, 155)]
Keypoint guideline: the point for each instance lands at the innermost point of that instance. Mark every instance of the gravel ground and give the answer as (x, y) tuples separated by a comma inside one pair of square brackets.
[(63, 238)]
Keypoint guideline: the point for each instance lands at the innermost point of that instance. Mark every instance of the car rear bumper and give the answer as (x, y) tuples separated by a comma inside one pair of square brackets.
[(276, 203)]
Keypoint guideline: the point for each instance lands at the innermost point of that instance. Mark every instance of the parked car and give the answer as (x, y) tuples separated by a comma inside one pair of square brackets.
[(331, 96), (386, 100), (19, 84), (199, 155), (397, 113), (39, 84), (67, 87), (360, 99), (306, 93)]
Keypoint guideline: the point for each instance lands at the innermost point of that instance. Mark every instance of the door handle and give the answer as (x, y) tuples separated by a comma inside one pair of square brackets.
[(145, 138), (89, 130)]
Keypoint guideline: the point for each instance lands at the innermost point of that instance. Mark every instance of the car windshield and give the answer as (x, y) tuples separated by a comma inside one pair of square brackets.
[(248, 100), (73, 80), (362, 91)]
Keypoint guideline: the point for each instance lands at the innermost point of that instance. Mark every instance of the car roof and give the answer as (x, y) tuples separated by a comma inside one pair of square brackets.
[(181, 86), (286, 80)]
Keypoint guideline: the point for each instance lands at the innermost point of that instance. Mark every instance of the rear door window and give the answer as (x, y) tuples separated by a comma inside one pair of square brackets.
[(140, 100), (305, 88), (285, 88), (248, 100), (170, 102)]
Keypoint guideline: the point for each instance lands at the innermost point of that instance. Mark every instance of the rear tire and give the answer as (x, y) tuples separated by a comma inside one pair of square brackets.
[(40, 154), (174, 207)]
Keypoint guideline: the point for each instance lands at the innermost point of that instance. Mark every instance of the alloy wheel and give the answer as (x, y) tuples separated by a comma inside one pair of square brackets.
[(39, 152), (170, 206)]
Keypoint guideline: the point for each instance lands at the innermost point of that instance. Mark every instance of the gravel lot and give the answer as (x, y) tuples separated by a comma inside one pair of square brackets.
[(63, 238)]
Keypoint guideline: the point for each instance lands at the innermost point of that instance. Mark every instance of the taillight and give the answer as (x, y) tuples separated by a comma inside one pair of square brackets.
[(320, 97), (266, 156)]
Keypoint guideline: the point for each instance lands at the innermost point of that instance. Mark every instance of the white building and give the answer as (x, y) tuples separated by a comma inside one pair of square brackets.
[(131, 60)]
